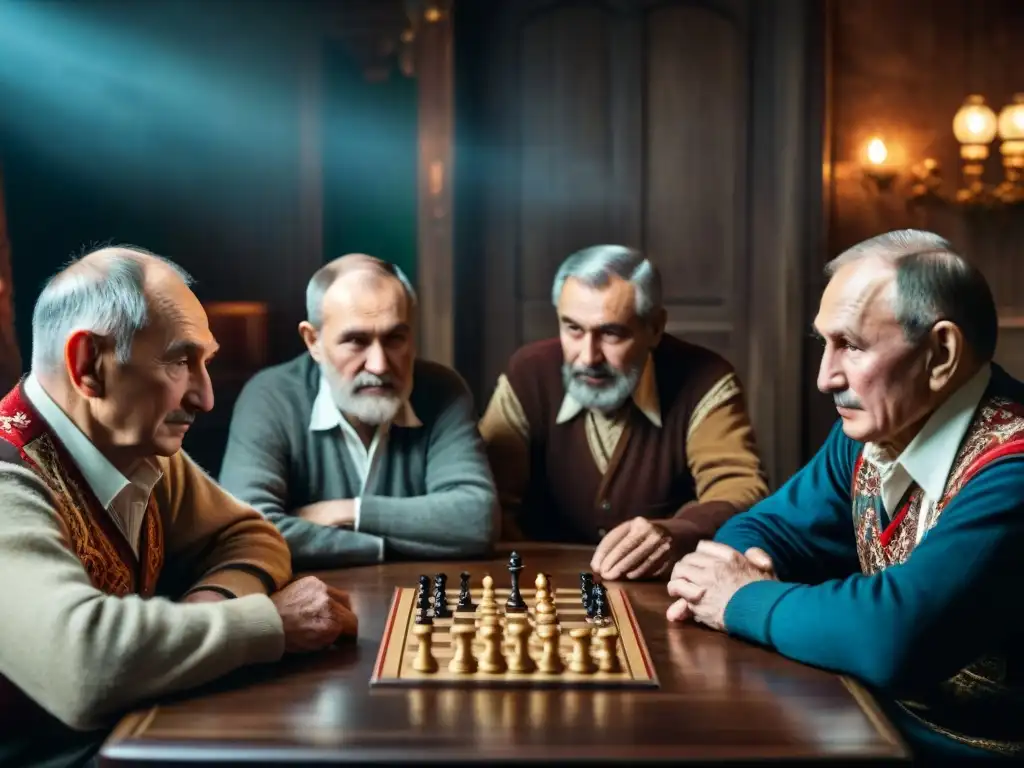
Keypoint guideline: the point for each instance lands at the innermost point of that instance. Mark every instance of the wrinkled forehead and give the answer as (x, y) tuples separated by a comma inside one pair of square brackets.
[(366, 299), (860, 297), (612, 303), (179, 321)]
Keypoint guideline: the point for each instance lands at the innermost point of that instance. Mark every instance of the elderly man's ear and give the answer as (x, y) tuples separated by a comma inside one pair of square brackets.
[(84, 362), (947, 354)]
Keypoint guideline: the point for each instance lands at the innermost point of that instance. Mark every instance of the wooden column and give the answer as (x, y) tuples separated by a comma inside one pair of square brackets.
[(10, 357), (436, 127)]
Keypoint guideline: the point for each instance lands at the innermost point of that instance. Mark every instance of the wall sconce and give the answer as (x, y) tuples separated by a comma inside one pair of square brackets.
[(876, 171), (976, 126)]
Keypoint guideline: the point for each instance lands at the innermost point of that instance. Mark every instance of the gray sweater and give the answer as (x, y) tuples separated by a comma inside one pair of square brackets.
[(433, 496)]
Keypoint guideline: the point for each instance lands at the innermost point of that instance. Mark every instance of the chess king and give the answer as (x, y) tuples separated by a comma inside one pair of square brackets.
[(130, 574), (893, 556), (617, 433)]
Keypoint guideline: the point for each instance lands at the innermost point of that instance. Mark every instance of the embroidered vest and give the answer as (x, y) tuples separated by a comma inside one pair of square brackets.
[(97, 542), (968, 706)]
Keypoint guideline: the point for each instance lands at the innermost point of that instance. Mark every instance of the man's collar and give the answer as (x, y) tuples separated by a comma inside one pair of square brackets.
[(103, 478), (929, 457), (326, 416), (645, 397)]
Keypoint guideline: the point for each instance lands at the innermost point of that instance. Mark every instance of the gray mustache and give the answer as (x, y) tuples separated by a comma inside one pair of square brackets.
[(364, 380), (602, 371), (180, 417), (846, 400)]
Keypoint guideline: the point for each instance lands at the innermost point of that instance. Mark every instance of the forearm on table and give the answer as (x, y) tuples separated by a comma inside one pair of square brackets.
[(315, 546), (86, 656), (449, 523)]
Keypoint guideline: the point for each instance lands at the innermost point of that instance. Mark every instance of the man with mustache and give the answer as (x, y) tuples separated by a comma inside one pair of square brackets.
[(616, 433), (129, 574), (893, 555), (358, 451)]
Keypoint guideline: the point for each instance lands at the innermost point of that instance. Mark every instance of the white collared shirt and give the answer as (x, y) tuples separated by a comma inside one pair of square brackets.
[(124, 498), (325, 416), (929, 457)]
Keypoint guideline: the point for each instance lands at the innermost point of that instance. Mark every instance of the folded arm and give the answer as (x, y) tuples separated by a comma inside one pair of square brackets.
[(255, 470), (86, 656), (458, 514)]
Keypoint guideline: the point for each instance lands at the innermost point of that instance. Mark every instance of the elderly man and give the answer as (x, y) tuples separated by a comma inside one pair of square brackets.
[(129, 573), (892, 556), (358, 451), (619, 434)]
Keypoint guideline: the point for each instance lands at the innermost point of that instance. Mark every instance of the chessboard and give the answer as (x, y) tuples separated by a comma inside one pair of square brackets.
[(479, 642)]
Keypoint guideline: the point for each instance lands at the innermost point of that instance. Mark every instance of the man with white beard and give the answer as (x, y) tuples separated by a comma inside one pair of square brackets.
[(358, 451), (616, 433)]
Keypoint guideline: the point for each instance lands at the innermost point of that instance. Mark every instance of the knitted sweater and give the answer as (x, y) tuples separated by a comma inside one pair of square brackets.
[(79, 642)]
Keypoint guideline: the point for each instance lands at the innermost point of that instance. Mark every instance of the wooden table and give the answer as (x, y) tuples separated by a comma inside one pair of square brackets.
[(720, 699)]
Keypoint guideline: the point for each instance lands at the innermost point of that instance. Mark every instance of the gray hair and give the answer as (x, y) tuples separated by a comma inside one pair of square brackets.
[(596, 265), (324, 278), (933, 282), (104, 295)]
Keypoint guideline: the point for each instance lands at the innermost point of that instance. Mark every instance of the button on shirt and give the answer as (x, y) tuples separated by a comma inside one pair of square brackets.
[(929, 457), (325, 416), (125, 499)]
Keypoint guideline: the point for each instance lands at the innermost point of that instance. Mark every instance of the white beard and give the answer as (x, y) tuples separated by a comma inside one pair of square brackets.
[(611, 396), (372, 410)]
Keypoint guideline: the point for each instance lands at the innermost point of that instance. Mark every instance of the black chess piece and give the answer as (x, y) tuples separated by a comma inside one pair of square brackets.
[(465, 598), (423, 602), (441, 597), (586, 588), (599, 604), (515, 602)]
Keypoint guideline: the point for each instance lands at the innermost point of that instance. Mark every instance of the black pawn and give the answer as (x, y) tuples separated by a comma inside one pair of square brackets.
[(515, 600), (441, 597), (465, 598)]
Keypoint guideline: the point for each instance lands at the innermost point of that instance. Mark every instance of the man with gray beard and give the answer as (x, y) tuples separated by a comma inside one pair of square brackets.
[(617, 433), (358, 451)]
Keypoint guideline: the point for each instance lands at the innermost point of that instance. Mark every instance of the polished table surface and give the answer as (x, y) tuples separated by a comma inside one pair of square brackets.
[(720, 699)]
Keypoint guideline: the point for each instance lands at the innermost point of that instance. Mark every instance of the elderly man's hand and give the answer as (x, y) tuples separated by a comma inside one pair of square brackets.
[(634, 550), (705, 581), (335, 513)]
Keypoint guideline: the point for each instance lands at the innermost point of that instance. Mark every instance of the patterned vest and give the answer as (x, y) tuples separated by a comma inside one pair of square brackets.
[(95, 539), (974, 705)]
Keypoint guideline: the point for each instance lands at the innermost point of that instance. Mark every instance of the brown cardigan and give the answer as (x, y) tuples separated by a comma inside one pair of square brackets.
[(692, 473)]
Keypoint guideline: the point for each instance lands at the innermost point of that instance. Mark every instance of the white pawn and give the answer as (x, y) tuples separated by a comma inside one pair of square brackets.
[(488, 605)]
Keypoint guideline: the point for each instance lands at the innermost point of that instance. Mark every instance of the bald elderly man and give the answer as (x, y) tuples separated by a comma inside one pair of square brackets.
[(129, 574), (358, 451)]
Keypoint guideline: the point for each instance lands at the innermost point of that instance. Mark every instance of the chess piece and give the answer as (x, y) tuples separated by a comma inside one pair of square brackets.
[(488, 605), (441, 597), (465, 598), (550, 662), (586, 586), (491, 660), (600, 605), (517, 627), (424, 661), (608, 649), (423, 614), (580, 661), (423, 595), (462, 662), (544, 609), (515, 603)]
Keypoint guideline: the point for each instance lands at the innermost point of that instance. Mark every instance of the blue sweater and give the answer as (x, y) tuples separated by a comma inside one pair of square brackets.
[(906, 628)]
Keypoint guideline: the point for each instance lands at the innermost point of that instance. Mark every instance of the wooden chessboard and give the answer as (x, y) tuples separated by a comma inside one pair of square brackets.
[(394, 665)]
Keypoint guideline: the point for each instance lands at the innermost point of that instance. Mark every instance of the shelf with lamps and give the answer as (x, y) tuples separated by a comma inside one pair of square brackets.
[(976, 126)]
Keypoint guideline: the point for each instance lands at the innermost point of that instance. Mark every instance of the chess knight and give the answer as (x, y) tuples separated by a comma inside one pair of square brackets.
[(618, 434)]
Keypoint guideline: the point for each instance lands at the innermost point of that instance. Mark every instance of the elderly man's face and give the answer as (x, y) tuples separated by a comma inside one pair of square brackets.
[(148, 403), (879, 381), (365, 346), (604, 343)]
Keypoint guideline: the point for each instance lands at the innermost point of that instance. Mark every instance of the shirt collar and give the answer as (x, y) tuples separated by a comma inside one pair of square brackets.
[(102, 477), (645, 397), (326, 416), (929, 457)]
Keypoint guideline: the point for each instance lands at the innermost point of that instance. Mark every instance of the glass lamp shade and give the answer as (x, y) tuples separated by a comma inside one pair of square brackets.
[(974, 122), (1011, 120)]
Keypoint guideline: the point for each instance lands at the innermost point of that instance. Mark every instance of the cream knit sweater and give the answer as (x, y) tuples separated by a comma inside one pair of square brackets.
[(85, 656)]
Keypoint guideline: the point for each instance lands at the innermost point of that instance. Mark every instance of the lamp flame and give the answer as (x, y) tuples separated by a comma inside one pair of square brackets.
[(877, 151)]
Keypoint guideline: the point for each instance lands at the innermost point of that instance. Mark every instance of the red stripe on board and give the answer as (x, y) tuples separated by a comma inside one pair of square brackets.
[(388, 628), (648, 667)]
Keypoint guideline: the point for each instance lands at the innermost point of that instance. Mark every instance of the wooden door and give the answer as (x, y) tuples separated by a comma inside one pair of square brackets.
[(632, 122)]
